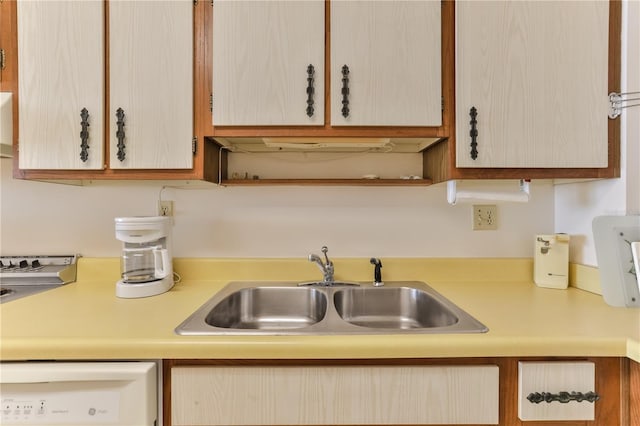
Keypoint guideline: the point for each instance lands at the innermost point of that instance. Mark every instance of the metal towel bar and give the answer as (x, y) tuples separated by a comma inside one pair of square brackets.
[(619, 101)]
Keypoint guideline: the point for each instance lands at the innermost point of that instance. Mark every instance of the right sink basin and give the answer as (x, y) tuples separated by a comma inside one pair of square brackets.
[(393, 308), (286, 308)]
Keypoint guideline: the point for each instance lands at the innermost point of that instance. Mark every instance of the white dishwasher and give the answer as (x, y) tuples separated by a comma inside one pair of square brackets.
[(79, 393)]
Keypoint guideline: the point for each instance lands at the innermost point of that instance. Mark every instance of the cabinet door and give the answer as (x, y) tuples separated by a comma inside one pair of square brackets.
[(542, 385), (261, 54), (61, 72), (393, 52), (151, 80), (537, 74), (334, 395)]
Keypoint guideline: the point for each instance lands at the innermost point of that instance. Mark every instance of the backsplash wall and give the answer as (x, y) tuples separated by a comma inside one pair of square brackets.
[(46, 218)]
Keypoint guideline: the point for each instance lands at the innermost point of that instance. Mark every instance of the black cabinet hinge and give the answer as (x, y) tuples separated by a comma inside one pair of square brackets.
[(194, 145), (210, 102), (442, 103)]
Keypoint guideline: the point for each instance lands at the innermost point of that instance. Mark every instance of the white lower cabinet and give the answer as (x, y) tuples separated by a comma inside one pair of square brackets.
[(556, 390), (323, 395)]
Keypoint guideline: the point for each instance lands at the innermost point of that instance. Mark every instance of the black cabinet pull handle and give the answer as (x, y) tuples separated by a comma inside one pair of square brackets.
[(310, 90), (562, 397), (84, 135), (120, 133), (473, 113), (345, 91)]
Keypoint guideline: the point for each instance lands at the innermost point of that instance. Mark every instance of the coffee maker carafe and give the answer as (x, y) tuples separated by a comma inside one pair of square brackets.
[(146, 262)]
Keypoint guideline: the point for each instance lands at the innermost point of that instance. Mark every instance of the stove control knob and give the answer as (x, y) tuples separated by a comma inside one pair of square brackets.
[(24, 264), (35, 264)]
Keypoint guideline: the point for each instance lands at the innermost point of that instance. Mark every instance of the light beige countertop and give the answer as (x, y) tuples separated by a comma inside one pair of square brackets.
[(85, 320)]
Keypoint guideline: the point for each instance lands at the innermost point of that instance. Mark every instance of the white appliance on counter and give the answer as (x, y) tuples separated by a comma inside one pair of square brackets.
[(22, 276), (79, 393), (551, 261), (146, 264)]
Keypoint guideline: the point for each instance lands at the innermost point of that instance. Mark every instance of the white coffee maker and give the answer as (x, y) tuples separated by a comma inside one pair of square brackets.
[(146, 263)]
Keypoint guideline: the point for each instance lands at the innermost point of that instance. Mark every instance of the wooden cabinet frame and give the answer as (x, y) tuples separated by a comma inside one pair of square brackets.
[(612, 382), (440, 158), (207, 130), (204, 82), (9, 47), (206, 160), (633, 409), (210, 160)]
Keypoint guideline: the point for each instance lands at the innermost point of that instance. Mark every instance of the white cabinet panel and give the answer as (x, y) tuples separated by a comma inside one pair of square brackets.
[(537, 73), (261, 51), (334, 395), (61, 57), (151, 79), (553, 378), (393, 51)]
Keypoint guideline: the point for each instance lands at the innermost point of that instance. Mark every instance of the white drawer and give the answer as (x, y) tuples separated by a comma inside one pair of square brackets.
[(334, 395), (549, 381)]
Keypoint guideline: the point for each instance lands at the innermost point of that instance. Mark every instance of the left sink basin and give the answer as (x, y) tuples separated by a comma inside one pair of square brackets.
[(269, 308)]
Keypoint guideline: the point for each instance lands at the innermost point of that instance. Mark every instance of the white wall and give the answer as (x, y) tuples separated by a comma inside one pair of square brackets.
[(293, 221), (268, 221), (577, 204)]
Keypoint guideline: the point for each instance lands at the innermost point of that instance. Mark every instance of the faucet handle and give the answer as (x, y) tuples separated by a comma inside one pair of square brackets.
[(326, 258)]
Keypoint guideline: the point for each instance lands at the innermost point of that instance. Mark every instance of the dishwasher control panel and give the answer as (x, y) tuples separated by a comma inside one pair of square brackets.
[(71, 407)]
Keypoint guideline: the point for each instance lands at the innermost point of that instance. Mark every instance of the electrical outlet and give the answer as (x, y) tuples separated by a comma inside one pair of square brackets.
[(485, 217), (165, 208)]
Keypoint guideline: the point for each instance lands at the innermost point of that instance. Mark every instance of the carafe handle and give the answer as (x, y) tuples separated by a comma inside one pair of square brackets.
[(162, 262)]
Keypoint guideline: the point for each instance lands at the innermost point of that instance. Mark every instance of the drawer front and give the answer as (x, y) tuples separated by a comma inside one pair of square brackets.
[(549, 381), (334, 395)]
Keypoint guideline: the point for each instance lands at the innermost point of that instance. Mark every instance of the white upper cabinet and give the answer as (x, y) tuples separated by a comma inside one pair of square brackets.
[(261, 54), (61, 73), (151, 81), (537, 74), (392, 50), (262, 51)]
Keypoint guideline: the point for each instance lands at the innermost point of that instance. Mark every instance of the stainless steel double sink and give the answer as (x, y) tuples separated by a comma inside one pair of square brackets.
[(287, 308)]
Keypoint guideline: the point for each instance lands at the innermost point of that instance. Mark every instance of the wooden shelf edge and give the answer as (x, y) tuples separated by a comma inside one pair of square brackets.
[(326, 182)]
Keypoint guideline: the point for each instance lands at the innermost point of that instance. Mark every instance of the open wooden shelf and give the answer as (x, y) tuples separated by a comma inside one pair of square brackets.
[(327, 182)]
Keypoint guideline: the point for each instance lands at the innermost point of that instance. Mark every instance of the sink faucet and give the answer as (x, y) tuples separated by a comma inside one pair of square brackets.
[(326, 268)]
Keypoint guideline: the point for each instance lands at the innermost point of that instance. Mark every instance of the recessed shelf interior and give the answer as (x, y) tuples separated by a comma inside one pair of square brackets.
[(325, 161)]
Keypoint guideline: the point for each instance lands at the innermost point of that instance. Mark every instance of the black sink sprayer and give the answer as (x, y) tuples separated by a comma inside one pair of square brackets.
[(377, 272)]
